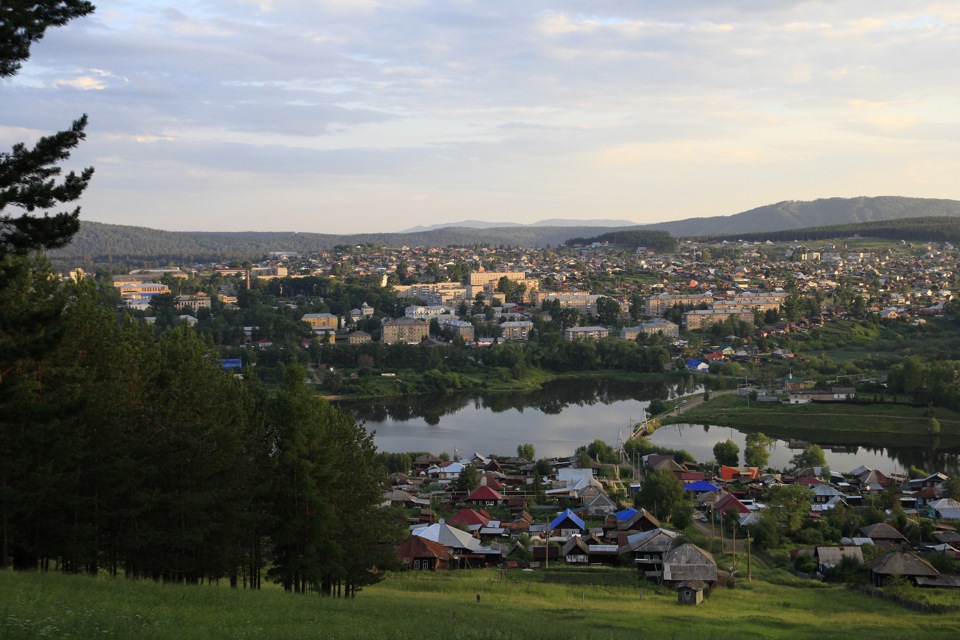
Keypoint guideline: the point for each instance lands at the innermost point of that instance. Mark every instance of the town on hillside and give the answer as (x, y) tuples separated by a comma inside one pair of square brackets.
[(861, 526)]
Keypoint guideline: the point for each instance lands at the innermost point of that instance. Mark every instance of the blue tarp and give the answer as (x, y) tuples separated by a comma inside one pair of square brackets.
[(231, 363), (626, 514)]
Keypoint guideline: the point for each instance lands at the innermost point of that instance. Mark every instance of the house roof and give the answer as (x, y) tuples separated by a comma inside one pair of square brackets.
[(417, 547), (656, 540), (700, 486), (448, 537), (469, 517), (567, 514), (882, 531), (832, 556), (626, 514), (902, 563), (485, 493)]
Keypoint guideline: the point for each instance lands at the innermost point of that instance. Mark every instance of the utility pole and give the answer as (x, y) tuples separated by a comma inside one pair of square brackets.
[(749, 573)]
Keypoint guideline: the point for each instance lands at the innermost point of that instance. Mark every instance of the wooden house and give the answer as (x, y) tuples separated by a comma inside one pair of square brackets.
[(689, 562)]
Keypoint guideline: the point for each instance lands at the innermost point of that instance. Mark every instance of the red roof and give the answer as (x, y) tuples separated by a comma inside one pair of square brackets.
[(485, 494), (418, 547), (728, 502), (469, 517), (736, 473)]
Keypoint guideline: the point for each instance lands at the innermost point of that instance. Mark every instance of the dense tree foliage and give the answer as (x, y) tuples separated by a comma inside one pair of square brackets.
[(756, 452), (659, 241), (129, 450), (727, 453), (661, 493)]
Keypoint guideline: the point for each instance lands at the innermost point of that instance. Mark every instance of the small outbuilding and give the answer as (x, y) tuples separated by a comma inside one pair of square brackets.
[(691, 592)]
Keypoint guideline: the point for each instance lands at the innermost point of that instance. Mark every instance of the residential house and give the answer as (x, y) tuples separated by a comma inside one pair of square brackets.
[(829, 557), (422, 554), (647, 549), (689, 562), (883, 535), (900, 563)]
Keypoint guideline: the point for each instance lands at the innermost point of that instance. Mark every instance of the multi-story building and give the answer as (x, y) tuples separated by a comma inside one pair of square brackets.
[(192, 303), (487, 281), (142, 290), (461, 329), (516, 329), (404, 330), (655, 326), (585, 333), (699, 318), (434, 293), (420, 311), (658, 305), (320, 320)]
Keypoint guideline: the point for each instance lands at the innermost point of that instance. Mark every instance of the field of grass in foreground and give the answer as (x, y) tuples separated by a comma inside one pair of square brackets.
[(513, 605)]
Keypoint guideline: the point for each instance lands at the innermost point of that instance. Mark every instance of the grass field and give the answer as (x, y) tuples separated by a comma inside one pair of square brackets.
[(825, 419), (572, 603)]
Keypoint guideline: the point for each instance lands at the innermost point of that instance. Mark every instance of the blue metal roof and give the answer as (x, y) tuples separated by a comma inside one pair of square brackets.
[(626, 514), (566, 514), (700, 485)]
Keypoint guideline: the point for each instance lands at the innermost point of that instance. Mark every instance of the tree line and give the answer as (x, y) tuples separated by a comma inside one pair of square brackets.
[(923, 229), (128, 450)]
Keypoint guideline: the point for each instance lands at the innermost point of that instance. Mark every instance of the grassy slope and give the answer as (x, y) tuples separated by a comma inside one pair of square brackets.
[(519, 605)]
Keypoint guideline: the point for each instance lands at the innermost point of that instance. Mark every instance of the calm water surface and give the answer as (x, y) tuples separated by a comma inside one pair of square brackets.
[(567, 414)]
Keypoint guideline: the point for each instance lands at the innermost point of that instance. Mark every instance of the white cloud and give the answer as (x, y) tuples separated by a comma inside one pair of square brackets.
[(522, 109)]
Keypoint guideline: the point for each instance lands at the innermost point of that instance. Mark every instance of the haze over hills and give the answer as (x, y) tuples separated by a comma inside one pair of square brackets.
[(552, 222), (796, 214), (98, 242)]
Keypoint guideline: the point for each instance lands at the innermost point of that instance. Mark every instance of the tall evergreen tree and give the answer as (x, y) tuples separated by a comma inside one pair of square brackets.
[(28, 176)]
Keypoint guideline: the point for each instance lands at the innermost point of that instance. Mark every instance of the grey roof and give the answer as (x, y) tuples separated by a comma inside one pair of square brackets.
[(832, 556), (448, 536), (654, 541), (689, 562), (902, 563)]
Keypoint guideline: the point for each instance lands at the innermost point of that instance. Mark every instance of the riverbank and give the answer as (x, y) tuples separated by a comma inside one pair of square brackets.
[(400, 384), (836, 422)]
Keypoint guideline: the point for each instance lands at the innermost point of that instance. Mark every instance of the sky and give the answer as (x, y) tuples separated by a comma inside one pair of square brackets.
[(361, 116)]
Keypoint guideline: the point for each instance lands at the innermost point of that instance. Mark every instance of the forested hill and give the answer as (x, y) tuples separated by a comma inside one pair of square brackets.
[(98, 242), (933, 229), (816, 213)]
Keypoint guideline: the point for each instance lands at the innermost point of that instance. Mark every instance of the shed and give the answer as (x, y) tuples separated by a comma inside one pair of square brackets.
[(690, 592)]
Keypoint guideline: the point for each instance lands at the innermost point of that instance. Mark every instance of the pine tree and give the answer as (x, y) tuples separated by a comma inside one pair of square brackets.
[(28, 176)]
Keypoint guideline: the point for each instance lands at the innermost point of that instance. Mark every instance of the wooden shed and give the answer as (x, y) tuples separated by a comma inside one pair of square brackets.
[(690, 592)]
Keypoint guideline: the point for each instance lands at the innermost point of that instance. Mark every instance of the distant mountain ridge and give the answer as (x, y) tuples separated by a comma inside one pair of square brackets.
[(552, 222), (99, 243), (796, 214)]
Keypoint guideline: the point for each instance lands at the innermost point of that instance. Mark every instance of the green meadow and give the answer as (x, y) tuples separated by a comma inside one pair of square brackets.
[(886, 423), (559, 603)]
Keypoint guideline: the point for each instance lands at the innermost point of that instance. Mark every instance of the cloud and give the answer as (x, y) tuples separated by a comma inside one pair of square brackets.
[(500, 104)]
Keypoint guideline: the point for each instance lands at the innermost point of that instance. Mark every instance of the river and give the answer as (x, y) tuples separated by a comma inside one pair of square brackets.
[(566, 414)]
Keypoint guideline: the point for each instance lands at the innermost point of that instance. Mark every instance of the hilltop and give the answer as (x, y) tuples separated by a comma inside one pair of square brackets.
[(99, 242)]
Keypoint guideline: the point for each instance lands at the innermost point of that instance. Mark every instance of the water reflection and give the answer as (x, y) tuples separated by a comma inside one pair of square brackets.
[(566, 414)]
